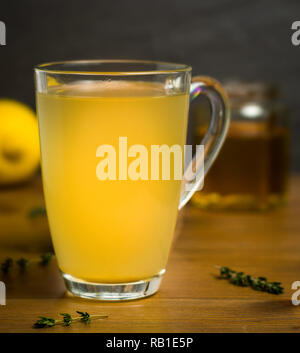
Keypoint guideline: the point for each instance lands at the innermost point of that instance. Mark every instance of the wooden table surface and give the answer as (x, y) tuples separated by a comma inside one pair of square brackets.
[(191, 298)]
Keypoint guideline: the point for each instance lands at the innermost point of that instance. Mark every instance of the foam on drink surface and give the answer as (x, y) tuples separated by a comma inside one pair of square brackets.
[(109, 89)]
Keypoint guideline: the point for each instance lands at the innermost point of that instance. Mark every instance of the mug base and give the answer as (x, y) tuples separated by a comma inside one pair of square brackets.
[(113, 292)]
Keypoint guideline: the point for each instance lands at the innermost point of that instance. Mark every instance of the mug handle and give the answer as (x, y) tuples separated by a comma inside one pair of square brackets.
[(213, 139)]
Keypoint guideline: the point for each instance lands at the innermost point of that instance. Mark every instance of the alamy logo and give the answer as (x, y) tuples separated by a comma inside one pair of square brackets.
[(296, 35), (295, 296), (155, 162), (2, 33), (2, 293)]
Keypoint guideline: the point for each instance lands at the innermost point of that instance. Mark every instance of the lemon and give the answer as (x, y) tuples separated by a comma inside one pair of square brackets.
[(19, 142)]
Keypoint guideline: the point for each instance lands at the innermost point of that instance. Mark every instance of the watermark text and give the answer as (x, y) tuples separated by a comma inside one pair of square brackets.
[(2, 33), (155, 162), (2, 293), (295, 38)]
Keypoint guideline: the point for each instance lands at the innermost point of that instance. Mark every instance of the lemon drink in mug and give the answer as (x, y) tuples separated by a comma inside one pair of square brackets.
[(112, 236)]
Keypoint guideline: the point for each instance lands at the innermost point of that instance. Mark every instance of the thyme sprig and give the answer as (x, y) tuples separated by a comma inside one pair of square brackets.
[(37, 212), (46, 258), (256, 283), (6, 265), (67, 320), (45, 321), (84, 316), (23, 263)]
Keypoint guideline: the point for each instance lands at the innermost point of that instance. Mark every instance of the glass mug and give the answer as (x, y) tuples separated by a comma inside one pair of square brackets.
[(112, 237)]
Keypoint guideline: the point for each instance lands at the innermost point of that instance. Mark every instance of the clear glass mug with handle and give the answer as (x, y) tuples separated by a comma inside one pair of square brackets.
[(111, 210)]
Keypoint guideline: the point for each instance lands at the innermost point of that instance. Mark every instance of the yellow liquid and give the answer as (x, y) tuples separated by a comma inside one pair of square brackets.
[(110, 231)]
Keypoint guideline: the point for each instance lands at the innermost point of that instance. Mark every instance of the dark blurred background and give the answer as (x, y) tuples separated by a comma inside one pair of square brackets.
[(222, 38)]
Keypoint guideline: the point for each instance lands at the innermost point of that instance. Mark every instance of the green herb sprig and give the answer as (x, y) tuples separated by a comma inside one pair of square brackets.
[(67, 319), (37, 212), (7, 265), (256, 283), (46, 258), (23, 263)]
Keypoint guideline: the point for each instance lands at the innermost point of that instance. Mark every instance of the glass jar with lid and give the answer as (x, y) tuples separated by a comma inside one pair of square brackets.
[(251, 171)]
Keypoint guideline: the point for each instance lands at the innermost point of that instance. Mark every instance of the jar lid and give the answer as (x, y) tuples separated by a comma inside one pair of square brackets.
[(250, 91)]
